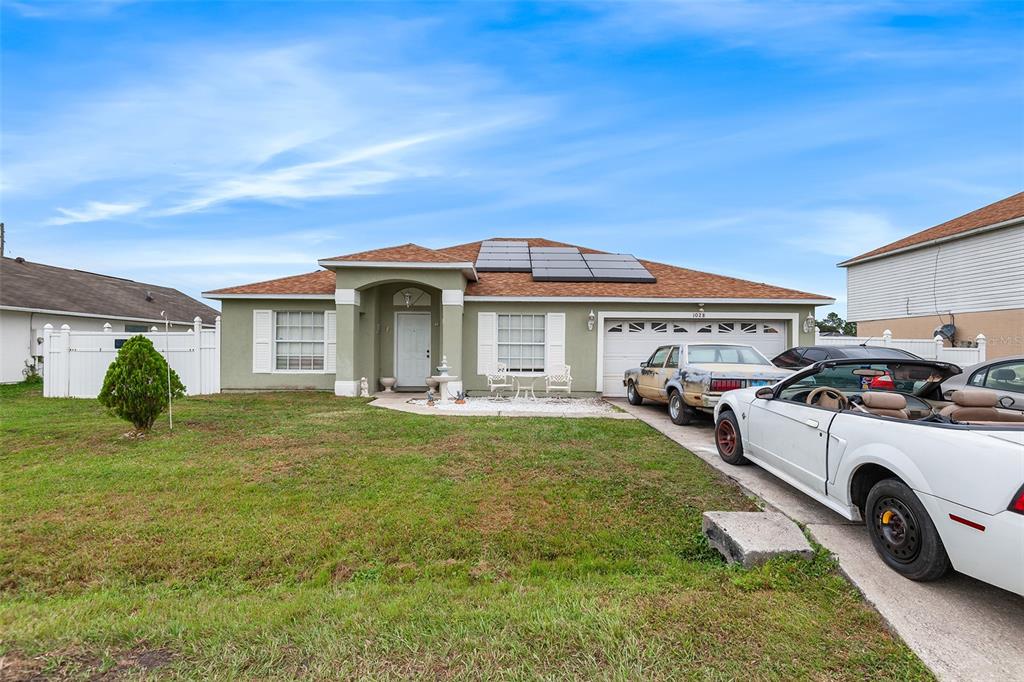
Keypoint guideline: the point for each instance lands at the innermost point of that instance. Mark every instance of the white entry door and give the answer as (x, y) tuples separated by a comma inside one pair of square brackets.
[(412, 348)]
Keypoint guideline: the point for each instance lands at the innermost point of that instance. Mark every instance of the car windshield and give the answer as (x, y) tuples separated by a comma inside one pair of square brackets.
[(911, 379), (725, 354)]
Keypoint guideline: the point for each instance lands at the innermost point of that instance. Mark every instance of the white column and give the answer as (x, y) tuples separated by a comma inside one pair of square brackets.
[(938, 347), (65, 370), (197, 362), (215, 370), (48, 376)]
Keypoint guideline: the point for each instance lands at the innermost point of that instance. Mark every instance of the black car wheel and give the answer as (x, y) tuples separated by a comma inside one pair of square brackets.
[(902, 532), (728, 440), (679, 412), (632, 396)]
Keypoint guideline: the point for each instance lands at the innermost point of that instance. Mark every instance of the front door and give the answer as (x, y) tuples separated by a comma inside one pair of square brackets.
[(412, 349)]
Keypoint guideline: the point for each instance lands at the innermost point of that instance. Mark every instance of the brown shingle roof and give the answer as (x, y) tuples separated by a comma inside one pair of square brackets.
[(1007, 209), (406, 253), (672, 281), (319, 282), (46, 287)]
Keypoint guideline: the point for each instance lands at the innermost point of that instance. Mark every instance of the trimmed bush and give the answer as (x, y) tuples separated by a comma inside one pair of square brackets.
[(135, 387)]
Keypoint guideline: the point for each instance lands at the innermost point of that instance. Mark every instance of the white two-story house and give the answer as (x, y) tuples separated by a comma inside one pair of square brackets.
[(967, 272)]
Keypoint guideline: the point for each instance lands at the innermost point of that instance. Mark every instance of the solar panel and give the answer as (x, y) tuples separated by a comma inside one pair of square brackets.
[(560, 263)]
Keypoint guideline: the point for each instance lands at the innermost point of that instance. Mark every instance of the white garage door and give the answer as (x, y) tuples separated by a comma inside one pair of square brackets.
[(627, 343)]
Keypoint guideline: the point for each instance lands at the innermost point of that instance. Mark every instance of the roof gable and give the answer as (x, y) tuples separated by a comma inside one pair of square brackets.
[(1000, 212), (405, 253)]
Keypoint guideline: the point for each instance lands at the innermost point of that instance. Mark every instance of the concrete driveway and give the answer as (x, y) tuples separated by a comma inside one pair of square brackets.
[(961, 628)]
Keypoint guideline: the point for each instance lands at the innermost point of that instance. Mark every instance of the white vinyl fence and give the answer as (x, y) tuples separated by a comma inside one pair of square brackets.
[(74, 363), (929, 349)]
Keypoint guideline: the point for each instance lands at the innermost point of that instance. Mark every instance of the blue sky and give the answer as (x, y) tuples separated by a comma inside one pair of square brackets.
[(201, 145)]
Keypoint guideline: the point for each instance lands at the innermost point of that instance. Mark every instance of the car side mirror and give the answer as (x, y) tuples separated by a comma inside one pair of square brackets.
[(643, 364), (766, 393)]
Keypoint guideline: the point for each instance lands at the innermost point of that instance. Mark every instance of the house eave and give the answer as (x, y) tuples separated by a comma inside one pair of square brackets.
[(75, 313), (1012, 222), (216, 297), (634, 299)]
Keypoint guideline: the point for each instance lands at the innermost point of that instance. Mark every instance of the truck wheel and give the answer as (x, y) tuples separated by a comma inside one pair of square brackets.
[(902, 532), (728, 440), (679, 412), (632, 396)]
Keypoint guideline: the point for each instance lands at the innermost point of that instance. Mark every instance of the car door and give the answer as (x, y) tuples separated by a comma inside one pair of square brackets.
[(792, 438), (651, 384), (1006, 379)]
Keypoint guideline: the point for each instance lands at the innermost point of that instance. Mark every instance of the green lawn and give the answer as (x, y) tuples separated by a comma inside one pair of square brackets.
[(303, 535)]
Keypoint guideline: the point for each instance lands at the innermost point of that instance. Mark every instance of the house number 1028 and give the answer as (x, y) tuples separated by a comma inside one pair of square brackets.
[(700, 314)]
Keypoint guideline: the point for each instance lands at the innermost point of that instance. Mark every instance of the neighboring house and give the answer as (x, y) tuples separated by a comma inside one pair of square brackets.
[(33, 295), (532, 304), (967, 272)]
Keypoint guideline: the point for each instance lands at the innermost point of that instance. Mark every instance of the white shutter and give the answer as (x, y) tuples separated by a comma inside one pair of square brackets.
[(331, 341), (554, 337), (262, 340), (486, 343)]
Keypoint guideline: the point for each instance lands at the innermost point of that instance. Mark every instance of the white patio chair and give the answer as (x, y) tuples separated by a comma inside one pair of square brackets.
[(559, 382), (500, 380)]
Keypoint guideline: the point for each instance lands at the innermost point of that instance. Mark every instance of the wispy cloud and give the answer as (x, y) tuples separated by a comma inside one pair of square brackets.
[(209, 126), (93, 211), (843, 30)]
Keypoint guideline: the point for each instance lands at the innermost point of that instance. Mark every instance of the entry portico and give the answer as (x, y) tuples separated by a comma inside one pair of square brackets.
[(398, 318)]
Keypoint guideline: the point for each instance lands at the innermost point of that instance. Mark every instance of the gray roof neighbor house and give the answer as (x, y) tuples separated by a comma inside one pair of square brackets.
[(35, 287)]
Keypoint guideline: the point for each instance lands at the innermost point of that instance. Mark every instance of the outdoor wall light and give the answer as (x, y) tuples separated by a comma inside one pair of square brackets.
[(407, 295), (809, 323), (591, 319)]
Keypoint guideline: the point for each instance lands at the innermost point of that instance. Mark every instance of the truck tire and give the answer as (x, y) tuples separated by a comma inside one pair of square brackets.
[(632, 396), (902, 532)]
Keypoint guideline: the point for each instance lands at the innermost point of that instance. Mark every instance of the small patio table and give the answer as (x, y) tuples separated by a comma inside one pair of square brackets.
[(526, 387)]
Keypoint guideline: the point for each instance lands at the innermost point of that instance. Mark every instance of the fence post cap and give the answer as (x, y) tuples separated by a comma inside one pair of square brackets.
[(153, 329), (107, 327), (979, 337), (217, 319), (937, 339), (47, 326), (197, 319), (887, 332), (66, 327)]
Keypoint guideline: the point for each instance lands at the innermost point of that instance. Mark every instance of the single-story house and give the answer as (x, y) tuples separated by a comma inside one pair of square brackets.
[(533, 305), (967, 272), (33, 295)]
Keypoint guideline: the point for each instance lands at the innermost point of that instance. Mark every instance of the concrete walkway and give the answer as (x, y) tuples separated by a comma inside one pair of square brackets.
[(400, 403), (961, 628)]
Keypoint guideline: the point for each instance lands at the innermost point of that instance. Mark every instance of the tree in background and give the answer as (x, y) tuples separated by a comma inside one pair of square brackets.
[(135, 387), (833, 324)]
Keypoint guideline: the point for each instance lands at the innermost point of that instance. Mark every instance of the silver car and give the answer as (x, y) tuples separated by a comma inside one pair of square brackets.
[(1005, 376)]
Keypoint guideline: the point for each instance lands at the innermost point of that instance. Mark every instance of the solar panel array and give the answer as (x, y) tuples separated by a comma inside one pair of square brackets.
[(497, 256), (560, 263)]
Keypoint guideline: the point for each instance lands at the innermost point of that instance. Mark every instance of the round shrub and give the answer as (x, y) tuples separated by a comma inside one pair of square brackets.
[(135, 387)]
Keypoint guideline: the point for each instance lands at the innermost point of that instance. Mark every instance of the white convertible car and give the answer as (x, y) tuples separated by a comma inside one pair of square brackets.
[(939, 484)]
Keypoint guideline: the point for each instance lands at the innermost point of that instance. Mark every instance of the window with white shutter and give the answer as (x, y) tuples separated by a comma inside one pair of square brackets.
[(262, 341), (331, 341), (486, 343), (556, 343)]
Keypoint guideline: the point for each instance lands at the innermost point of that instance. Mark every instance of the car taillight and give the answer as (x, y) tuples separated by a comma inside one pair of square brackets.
[(722, 385), (1017, 503)]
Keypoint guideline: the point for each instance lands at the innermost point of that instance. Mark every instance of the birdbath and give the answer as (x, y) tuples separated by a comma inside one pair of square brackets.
[(442, 378)]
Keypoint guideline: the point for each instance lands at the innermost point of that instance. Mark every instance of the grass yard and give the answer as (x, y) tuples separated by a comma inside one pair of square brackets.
[(302, 535)]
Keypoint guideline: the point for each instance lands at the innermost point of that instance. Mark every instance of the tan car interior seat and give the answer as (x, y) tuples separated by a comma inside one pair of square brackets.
[(978, 405), (885, 404)]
